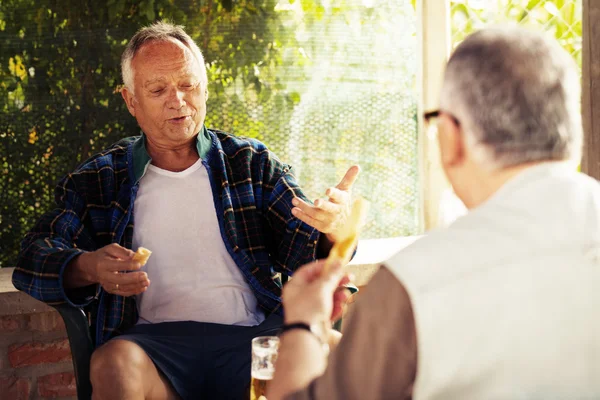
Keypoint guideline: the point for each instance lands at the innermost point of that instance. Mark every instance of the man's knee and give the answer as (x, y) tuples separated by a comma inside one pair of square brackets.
[(118, 364)]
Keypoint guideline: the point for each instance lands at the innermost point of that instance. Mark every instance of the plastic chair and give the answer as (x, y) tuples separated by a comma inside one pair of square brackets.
[(82, 346)]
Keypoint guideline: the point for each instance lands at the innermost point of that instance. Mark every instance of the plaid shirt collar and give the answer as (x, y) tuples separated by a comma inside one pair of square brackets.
[(141, 158)]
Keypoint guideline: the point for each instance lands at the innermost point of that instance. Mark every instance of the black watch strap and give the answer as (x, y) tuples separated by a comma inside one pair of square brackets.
[(296, 325), (306, 327)]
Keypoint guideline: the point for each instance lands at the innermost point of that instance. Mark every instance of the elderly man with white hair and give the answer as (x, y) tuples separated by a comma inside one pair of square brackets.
[(222, 215), (503, 303)]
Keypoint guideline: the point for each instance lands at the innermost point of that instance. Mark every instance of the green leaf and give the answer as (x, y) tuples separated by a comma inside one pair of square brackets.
[(295, 97), (150, 14)]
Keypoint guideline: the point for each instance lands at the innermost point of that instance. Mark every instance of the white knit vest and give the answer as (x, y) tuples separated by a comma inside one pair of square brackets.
[(507, 300)]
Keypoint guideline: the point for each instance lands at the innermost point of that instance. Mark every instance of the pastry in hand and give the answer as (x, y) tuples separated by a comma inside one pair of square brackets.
[(141, 255), (348, 234)]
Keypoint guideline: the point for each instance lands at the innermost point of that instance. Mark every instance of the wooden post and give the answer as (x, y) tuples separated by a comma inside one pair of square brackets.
[(434, 45), (590, 163)]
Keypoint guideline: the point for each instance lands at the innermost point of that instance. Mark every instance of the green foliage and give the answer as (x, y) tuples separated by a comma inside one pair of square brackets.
[(307, 77), (60, 75), (561, 18)]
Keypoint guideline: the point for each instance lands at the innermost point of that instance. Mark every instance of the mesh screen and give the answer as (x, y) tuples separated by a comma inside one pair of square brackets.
[(353, 84)]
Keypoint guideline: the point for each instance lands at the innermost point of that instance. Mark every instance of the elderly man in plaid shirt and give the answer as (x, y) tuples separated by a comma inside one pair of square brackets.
[(222, 215)]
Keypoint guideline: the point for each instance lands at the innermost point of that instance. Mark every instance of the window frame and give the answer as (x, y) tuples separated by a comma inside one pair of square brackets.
[(434, 41)]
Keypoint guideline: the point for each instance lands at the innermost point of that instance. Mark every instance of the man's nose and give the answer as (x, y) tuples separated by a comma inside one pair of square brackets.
[(175, 99)]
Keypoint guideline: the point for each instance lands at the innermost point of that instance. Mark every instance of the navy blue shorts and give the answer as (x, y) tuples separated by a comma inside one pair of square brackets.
[(203, 360)]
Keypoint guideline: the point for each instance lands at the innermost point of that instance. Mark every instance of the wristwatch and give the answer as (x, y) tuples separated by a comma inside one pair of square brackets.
[(317, 330)]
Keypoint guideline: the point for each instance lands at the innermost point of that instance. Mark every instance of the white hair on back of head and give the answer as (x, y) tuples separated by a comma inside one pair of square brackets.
[(517, 97)]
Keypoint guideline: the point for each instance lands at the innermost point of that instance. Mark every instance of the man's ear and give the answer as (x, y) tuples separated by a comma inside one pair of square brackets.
[(129, 100), (452, 144)]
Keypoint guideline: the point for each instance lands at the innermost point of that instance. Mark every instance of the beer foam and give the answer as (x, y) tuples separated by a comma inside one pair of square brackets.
[(262, 374)]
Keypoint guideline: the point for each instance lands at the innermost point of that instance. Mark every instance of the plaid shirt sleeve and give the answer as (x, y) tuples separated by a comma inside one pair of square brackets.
[(296, 242), (49, 247)]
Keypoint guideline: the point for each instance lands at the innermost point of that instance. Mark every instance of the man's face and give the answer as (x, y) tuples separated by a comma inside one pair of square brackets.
[(169, 101)]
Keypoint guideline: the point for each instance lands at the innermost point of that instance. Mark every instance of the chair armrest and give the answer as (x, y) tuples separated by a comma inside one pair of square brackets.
[(82, 347)]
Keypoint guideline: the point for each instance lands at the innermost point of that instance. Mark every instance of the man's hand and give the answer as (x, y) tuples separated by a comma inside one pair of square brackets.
[(328, 215), (112, 267), (309, 298), (314, 294)]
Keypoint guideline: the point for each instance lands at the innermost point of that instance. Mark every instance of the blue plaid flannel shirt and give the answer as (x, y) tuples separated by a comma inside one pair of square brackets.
[(252, 191)]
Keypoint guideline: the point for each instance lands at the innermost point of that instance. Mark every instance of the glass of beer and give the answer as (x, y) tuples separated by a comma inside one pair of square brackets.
[(264, 355)]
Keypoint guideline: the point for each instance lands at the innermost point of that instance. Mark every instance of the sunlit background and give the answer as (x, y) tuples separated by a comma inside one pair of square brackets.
[(325, 84)]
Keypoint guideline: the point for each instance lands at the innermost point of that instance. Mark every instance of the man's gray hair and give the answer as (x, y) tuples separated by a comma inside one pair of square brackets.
[(517, 97), (159, 31)]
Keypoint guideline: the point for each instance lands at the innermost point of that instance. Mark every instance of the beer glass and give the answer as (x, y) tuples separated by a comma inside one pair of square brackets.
[(264, 355)]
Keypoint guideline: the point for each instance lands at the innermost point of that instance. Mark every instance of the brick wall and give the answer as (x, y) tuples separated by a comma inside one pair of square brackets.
[(35, 359)]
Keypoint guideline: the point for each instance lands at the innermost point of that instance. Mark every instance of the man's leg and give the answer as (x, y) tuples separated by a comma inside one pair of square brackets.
[(120, 369)]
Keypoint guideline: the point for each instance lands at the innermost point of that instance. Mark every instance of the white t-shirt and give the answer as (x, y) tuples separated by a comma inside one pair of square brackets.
[(192, 275)]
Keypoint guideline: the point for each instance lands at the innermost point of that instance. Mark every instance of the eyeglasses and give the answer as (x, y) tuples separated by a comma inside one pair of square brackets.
[(428, 116)]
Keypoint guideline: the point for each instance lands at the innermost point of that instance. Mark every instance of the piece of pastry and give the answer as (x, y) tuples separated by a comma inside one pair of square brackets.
[(348, 234), (141, 255)]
